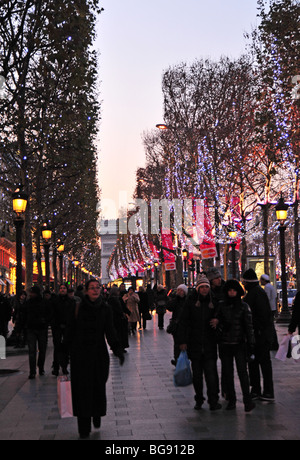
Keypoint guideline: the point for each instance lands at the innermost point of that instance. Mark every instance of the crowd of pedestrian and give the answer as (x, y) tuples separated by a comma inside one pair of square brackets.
[(232, 321)]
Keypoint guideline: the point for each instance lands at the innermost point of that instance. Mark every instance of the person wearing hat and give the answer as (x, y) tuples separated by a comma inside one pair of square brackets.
[(216, 283), (197, 335), (259, 303), (37, 319), (236, 341), (175, 305), (272, 296)]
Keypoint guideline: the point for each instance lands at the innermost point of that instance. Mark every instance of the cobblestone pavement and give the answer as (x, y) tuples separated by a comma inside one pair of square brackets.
[(143, 403)]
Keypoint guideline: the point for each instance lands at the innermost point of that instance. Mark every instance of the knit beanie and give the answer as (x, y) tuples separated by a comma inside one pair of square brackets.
[(183, 287), (213, 273), (202, 279), (265, 277), (250, 276)]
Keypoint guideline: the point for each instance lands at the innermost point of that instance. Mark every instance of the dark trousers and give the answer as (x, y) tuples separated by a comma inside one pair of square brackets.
[(262, 364), (161, 317), (202, 366), (237, 353), (60, 352), (37, 341)]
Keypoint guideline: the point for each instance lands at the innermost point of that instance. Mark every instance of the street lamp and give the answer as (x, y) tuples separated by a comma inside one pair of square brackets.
[(232, 233), (281, 214), (60, 250), (185, 255), (47, 234), (76, 264), (19, 199)]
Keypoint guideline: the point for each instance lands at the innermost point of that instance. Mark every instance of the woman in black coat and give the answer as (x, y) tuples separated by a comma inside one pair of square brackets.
[(89, 325), (236, 341)]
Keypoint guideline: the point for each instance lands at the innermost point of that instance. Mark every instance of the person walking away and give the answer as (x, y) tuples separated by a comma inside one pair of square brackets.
[(272, 296), (198, 337), (143, 307), (131, 300), (89, 326), (5, 315), (37, 319), (176, 305), (62, 305), (259, 304), (119, 317), (150, 295), (295, 319), (234, 320), (161, 300)]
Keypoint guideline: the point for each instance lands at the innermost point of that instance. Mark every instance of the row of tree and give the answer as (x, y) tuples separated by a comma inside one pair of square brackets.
[(49, 122), (233, 130)]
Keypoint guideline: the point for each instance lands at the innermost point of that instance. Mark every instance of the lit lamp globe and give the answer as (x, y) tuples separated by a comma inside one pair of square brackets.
[(46, 232), (232, 233), (19, 199), (185, 253), (281, 210), (60, 246)]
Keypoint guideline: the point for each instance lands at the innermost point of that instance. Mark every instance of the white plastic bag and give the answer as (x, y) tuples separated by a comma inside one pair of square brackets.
[(64, 397), (283, 348)]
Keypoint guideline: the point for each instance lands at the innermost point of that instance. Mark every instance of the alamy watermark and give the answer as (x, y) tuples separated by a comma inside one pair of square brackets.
[(2, 347), (295, 341), (185, 216), (296, 88), (2, 86)]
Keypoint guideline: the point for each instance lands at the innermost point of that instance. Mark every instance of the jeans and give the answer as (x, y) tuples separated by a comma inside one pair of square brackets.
[(37, 341), (237, 353)]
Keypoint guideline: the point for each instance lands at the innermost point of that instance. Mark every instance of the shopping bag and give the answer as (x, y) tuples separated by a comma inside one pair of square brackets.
[(64, 396), (183, 373), (283, 348)]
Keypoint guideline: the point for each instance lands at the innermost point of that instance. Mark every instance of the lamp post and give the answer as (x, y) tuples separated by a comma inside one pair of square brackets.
[(185, 255), (281, 214), (232, 233), (47, 234), (60, 250), (76, 264), (19, 199), (156, 264)]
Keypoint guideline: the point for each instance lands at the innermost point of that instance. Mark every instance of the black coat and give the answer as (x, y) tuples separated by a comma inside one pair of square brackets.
[(37, 313), (119, 319), (235, 322), (295, 320), (194, 328), (259, 304), (86, 332)]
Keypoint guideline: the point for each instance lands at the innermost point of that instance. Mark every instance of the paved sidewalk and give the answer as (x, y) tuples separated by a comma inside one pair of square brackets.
[(143, 403)]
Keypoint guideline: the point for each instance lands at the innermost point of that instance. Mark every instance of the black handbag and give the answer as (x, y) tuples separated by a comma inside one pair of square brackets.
[(172, 327)]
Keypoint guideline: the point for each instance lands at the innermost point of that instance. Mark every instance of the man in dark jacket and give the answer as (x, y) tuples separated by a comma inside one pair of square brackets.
[(258, 301), (62, 305), (37, 318), (5, 315), (198, 337), (295, 320)]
